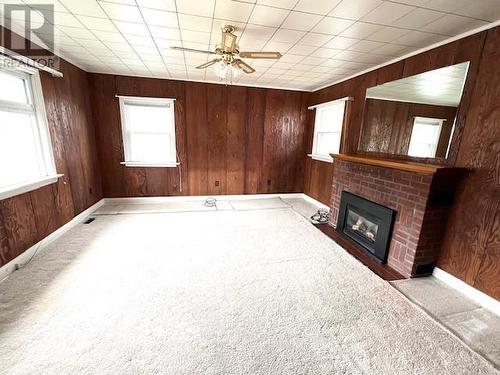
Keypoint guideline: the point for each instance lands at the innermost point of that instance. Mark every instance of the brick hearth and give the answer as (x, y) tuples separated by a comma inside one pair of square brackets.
[(420, 199)]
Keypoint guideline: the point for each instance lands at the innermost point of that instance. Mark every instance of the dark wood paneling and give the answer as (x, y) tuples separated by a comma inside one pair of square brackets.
[(256, 108), (236, 139), (471, 250), (387, 125), (197, 138), (217, 138), (221, 134), (26, 219)]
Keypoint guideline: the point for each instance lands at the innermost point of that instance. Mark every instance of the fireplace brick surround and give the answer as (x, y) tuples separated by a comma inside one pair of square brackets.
[(421, 198)]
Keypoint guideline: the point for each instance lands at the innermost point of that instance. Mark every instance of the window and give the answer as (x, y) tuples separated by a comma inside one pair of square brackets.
[(328, 129), (148, 126), (26, 160), (425, 137)]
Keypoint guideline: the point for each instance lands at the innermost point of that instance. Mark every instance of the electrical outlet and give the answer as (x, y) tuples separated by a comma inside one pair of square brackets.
[(217, 183)]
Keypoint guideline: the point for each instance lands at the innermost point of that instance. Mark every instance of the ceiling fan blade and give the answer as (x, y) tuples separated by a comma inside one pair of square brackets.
[(243, 66), (193, 50), (207, 64), (261, 55), (228, 41)]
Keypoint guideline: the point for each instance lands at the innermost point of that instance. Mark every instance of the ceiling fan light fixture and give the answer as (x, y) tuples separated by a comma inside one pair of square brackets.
[(226, 71)]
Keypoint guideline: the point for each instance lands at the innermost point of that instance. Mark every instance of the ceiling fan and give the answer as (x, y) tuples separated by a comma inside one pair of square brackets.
[(228, 52)]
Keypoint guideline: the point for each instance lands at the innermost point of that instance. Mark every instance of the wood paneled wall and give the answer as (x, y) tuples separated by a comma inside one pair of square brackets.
[(230, 139), (387, 125), (471, 248), (27, 218)]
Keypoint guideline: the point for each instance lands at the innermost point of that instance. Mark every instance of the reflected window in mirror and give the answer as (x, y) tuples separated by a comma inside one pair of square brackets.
[(425, 137), (328, 124), (414, 116)]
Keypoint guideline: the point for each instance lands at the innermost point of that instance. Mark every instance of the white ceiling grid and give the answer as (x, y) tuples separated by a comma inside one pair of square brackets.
[(321, 41)]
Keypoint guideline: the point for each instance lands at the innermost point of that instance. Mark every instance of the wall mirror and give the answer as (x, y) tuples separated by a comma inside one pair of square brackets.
[(414, 116)]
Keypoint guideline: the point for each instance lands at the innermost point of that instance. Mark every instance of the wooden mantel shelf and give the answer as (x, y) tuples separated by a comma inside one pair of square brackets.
[(402, 165)]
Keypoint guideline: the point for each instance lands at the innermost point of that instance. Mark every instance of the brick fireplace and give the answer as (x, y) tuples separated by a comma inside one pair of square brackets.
[(420, 194)]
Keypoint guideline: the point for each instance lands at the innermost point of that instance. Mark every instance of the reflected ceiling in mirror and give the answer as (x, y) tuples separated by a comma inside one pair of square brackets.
[(414, 116), (438, 87)]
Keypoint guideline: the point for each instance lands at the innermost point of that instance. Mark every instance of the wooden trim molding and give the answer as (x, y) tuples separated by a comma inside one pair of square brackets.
[(402, 165)]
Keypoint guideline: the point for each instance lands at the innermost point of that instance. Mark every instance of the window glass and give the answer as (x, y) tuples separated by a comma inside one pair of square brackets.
[(13, 88), (148, 131), (425, 137), (328, 129), (25, 150)]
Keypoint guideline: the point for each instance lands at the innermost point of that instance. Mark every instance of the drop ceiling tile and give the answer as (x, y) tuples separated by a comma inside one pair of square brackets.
[(417, 18), (312, 60), (195, 37), (301, 21), (267, 16), (140, 40), (159, 18), (365, 46), (130, 28), (94, 23), (248, 44), (332, 25), (195, 23), (360, 30), (302, 50), (122, 12), (387, 34), (317, 6), (107, 36), (119, 47), (168, 5), (285, 4), (66, 19), (394, 50), (287, 36), (451, 24), (325, 52), (419, 39), (340, 42), (315, 39), (258, 32), (354, 10), (447, 5), (76, 32), (84, 8), (232, 10), (291, 58), (165, 32), (484, 9), (387, 13), (203, 8)]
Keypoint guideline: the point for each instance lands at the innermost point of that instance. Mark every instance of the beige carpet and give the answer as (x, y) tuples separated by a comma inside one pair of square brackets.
[(228, 292)]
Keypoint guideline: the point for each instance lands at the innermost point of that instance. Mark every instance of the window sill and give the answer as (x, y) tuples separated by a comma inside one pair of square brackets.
[(28, 186), (326, 159), (149, 165)]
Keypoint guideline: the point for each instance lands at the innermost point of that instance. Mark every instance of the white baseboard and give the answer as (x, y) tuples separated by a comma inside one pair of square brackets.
[(202, 198), (10, 267), (477, 296)]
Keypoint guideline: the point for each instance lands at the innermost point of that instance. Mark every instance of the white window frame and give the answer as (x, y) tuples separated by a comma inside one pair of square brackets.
[(428, 120), (319, 108), (37, 109), (126, 134)]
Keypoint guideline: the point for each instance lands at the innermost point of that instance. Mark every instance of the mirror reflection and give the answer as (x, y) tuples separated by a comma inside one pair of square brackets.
[(414, 116)]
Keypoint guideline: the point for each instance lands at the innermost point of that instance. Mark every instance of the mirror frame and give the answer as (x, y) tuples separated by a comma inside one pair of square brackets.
[(460, 118)]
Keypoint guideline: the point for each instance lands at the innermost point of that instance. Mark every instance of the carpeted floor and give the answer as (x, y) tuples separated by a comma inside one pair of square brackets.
[(227, 292)]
